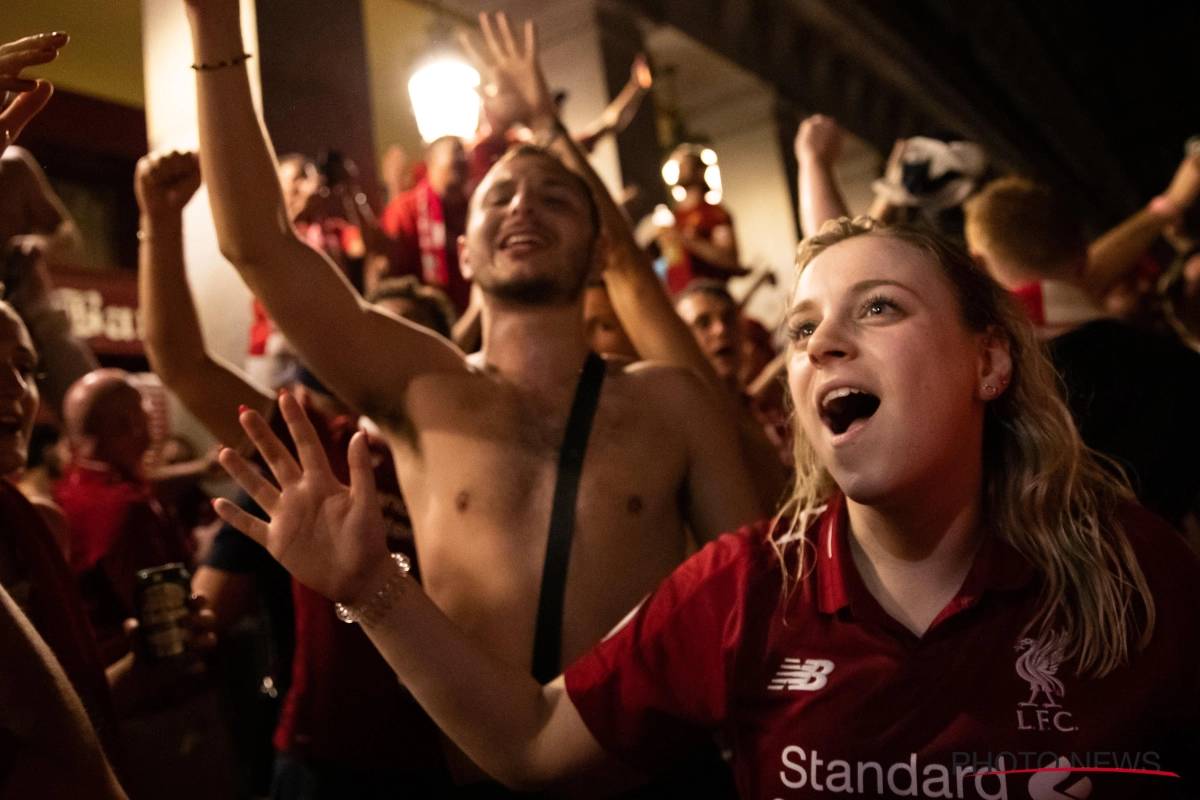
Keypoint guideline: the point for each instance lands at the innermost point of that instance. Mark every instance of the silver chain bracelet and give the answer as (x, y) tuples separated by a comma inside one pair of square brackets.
[(375, 608)]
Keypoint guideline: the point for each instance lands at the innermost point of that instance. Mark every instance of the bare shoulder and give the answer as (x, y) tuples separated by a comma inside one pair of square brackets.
[(677, 388)]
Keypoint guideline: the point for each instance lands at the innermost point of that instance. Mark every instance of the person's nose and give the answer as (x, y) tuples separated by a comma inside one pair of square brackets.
[(830, 341), (13, 385)]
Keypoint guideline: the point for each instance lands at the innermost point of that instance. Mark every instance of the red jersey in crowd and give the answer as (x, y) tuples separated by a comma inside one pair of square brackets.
[(838, 697), (117, 527), (345, 706), (682, 267), (335, 238), (47, 593), (426, 232)]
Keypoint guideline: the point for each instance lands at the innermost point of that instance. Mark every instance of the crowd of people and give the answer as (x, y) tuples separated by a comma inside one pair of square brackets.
[(520, 513)]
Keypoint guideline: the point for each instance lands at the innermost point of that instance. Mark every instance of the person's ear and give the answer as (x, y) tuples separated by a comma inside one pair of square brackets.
[(464, 264), (995, 364)]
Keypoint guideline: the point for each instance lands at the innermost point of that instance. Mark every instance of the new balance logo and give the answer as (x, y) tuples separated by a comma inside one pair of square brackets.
[(801, 676)]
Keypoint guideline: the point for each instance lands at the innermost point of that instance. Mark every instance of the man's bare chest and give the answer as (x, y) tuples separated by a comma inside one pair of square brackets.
[(496, 453)]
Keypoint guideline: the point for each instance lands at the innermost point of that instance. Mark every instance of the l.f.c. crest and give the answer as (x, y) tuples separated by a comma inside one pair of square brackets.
[(1037, 663)]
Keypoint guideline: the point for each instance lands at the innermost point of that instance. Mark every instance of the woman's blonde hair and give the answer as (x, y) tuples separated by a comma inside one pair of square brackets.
[(1045, 493)]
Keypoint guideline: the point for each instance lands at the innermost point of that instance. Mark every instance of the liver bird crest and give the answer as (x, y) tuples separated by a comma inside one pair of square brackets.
[(1038, 664)]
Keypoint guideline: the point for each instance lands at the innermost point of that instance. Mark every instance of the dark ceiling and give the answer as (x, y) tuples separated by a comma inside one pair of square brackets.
[(1094, 97)]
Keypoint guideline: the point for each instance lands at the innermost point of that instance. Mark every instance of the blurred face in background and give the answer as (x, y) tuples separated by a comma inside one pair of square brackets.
[(300, 182), (446, 162), (717, 327), (18, 391), (691, 170), (605, 334), (120, 429)]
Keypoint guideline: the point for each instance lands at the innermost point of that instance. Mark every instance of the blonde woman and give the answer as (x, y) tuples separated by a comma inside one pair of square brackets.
[(960, 602)]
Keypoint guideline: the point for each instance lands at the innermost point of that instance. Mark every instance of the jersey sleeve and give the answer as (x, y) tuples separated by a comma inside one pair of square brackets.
[(657, 686)]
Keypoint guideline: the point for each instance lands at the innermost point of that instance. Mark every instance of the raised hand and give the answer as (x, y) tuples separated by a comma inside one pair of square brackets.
[(819, 139), (165, 182), (331, 537), (32, 95), (515, 91)]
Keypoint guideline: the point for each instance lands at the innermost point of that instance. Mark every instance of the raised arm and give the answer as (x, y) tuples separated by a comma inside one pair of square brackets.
[(210, 388), (1114, 254), (818, 144), (333, 539), (364, 356), (621, 111), (637, 295)]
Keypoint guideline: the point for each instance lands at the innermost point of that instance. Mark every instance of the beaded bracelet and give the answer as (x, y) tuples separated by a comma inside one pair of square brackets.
[(381, 603), (236, 61)]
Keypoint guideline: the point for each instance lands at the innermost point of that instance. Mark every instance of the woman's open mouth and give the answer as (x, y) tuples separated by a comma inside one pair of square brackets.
[(840, 408)]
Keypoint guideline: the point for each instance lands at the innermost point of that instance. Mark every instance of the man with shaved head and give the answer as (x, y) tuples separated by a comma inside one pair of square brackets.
[(116, 523), (549, 493)]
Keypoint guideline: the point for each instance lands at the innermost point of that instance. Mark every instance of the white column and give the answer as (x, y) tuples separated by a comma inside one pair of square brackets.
[(745, 136), (222, 300)]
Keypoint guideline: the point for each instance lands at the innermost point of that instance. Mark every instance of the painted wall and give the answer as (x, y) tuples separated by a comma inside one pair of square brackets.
[(104, 58), (397, 35)]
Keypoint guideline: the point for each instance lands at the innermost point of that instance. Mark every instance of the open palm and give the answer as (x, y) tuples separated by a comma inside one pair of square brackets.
[(515, 90), (331, 537)]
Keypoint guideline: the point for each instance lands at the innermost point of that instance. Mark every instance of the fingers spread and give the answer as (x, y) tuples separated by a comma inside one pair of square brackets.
[(282, 465), (254, 484), (11, 84), (531, 45), (510, 44), (12, 63), (489, 38), (464, 41), (313, 459), (36, 42), (248, 524)]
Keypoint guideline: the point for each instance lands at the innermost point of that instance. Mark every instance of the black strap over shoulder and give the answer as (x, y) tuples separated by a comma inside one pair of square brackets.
[(547, 637)]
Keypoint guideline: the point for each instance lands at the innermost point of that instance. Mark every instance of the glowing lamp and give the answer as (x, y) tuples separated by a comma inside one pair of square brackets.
[(670, 172), (663, 218), (712, 176), (444, 99)]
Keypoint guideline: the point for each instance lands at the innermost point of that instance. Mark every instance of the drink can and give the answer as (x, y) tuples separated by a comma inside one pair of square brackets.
[(162, 605)]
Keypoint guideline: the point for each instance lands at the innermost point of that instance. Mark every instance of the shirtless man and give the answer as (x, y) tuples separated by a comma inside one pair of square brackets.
[(476, 440)]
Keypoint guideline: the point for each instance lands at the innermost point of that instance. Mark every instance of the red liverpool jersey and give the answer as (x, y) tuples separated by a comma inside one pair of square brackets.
[(826, 694)]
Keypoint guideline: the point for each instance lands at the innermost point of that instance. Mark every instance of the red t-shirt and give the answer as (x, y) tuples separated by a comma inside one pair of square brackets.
[(702, 219), (839, 697), (399, 221), (332, 236), (49, 597), (117, 527)]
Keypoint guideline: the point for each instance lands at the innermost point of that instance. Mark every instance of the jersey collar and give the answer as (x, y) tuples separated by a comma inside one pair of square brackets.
[(997, 568)]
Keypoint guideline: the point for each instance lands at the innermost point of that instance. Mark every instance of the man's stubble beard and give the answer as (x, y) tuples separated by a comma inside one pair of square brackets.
[(539, 290)]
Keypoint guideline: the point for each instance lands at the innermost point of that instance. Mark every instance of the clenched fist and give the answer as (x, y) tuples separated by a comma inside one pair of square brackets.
[(165, 182)]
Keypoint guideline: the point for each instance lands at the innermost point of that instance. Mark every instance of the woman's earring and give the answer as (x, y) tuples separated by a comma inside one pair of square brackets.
[(989, 390)]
